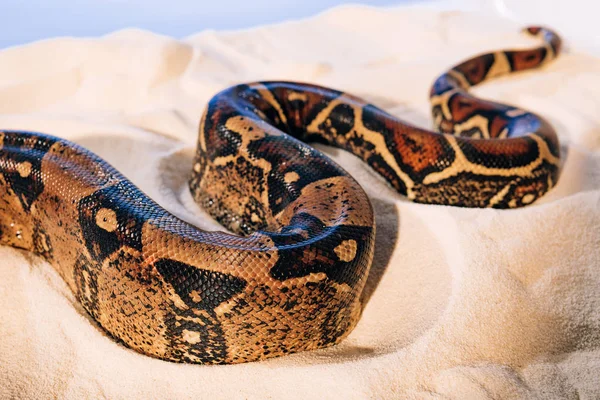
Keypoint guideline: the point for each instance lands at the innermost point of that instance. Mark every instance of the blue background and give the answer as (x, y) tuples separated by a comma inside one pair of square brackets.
[(26, 21)]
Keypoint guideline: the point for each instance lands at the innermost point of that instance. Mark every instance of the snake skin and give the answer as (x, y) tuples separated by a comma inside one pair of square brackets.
[(291, 279)]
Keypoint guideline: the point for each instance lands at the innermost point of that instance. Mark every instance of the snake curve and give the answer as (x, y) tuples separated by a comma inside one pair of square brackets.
[(292, 277)]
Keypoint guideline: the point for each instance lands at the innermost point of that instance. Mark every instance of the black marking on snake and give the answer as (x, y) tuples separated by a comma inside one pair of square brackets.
[(294, 109), (16, 150), (310, 167), (211, 343), (512, 56), (224, 142), (475, 106), (130, 215), (199, 289), (377, 162), (316, 109), (301, 260), (339, 122), (299, 111), (211, 288), (255, 101)]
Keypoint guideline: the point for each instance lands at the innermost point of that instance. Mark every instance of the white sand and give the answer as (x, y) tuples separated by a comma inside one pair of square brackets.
[(464, 303)]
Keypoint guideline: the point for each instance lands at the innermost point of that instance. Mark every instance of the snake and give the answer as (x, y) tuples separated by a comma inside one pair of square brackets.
[(287, 273)]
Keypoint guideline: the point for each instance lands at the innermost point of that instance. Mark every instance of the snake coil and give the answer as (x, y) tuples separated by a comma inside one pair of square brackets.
[(291, 279)]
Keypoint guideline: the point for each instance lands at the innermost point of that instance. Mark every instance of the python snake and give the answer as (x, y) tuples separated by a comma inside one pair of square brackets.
[(292, 277)]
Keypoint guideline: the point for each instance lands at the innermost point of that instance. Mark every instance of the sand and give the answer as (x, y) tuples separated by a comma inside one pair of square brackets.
[(463, 303)]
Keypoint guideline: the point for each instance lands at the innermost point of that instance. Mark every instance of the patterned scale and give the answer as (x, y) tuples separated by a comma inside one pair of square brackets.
[(290, 277)]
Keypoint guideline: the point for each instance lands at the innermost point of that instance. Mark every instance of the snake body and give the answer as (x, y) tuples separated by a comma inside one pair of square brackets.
[(292, 277)]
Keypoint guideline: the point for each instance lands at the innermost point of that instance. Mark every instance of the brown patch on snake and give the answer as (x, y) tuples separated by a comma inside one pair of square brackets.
[(234, 192), (425, 150), (107, 219), (251, 261), (334, 201), (132, 304), (290, 318), (291, 177), (346, 251), (24, 169)]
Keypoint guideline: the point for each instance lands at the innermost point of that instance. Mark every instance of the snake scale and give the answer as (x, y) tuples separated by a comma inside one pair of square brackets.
[(290, 277)]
